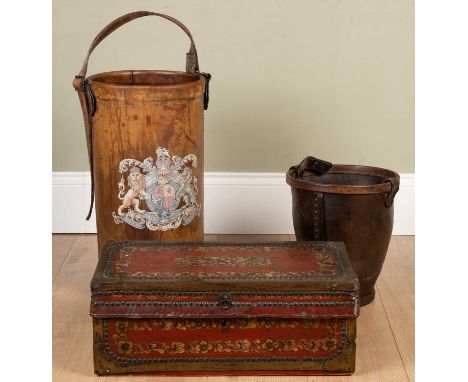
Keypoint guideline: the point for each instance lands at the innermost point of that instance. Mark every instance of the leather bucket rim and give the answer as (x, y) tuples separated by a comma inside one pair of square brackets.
[(389, 178), (198, 82)]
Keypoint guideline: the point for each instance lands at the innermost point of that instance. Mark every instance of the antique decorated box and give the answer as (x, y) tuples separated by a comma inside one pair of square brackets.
[(224, 308)]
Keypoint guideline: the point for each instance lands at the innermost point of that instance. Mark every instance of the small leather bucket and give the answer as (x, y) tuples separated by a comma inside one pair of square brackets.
[(353, 204), (144, 131)]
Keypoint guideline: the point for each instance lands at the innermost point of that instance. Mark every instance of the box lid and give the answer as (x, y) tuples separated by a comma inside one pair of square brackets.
[(212, 280)]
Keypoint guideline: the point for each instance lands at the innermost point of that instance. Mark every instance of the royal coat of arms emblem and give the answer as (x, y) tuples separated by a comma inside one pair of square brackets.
[(166, 187)]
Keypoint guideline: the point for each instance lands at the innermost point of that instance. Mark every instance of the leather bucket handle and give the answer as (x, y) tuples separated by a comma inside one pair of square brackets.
[(191, 59), (317, 166)]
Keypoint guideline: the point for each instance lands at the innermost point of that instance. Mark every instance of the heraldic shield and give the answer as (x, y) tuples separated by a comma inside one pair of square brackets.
[(160, 195)]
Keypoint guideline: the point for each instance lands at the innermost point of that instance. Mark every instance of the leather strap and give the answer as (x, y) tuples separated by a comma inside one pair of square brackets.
[(87, 101), (391, 195), (317, 166), (191, 59), (86, 107)]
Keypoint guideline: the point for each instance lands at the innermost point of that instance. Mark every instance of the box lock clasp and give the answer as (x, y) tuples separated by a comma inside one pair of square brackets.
[(225, 301)]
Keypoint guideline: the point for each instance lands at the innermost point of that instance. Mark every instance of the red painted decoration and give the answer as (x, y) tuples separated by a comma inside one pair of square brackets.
[(169, 307)]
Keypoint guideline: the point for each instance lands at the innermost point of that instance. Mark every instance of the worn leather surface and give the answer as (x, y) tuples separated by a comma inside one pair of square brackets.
[(128, 114), (227, 346), (353, 204), (280, 308), (85, 93), (215, 280), (210, 267)]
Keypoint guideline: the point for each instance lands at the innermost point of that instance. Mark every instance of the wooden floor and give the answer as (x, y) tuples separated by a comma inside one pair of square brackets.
[(385, 340)]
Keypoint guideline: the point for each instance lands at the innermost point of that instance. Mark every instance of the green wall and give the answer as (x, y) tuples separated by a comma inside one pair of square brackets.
[(329, 78)]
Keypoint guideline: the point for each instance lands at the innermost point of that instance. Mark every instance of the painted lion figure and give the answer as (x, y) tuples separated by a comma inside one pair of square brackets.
[(136, 191), (189, 187)]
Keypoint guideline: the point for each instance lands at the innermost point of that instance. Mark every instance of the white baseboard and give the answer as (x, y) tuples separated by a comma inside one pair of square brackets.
[(235, 203)]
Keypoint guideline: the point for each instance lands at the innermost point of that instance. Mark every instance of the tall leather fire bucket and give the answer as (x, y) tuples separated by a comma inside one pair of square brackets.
[(353, 204), (144, 131)]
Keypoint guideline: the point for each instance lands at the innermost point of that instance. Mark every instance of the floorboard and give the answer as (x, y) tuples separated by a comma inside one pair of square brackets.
[(71, 324), (396, 288), (61, 245)]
